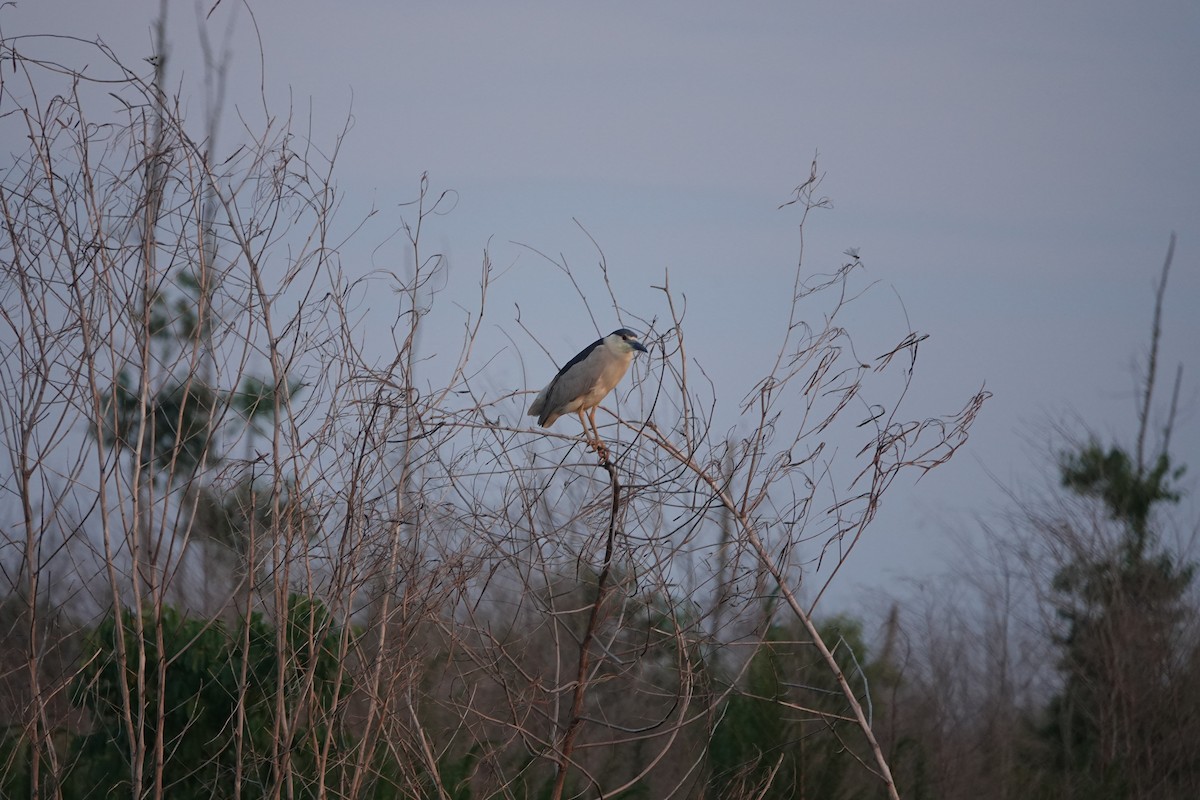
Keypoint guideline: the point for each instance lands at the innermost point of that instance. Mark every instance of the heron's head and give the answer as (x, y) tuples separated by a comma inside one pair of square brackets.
[(623, 341)]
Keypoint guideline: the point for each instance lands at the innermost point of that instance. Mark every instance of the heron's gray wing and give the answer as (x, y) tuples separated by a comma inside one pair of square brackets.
[(568, 384)]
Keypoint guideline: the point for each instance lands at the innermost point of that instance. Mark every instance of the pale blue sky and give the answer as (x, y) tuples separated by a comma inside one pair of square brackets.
[(1011, 170)]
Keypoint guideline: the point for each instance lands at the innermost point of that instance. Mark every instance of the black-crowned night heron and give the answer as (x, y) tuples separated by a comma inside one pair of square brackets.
[(585, 380)]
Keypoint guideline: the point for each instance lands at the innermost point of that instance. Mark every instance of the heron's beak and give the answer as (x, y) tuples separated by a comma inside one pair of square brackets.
[(638, 346)]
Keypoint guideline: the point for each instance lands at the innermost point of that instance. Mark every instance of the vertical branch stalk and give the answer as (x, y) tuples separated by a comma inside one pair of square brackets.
[(566, 744)]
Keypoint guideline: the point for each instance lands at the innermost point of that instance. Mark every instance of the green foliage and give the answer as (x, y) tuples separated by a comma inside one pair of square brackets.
[(753, 731), (775, 728), (175, 429), (256, 398), (176, 423), (1128, 493), (198, 675), (15, 757), (455, 773)]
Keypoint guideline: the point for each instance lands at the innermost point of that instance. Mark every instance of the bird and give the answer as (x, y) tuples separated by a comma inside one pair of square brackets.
[(585, 380)]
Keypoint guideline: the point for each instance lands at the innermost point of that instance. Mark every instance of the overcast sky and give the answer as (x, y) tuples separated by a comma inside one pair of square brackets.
[(1011, 172)]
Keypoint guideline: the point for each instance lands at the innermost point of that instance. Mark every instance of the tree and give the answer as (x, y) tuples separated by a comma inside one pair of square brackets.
[(1115, 726)]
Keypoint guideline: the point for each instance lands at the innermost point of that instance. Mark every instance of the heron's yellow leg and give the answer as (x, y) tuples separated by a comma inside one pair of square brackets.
[(600, 448), (586, 434)]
